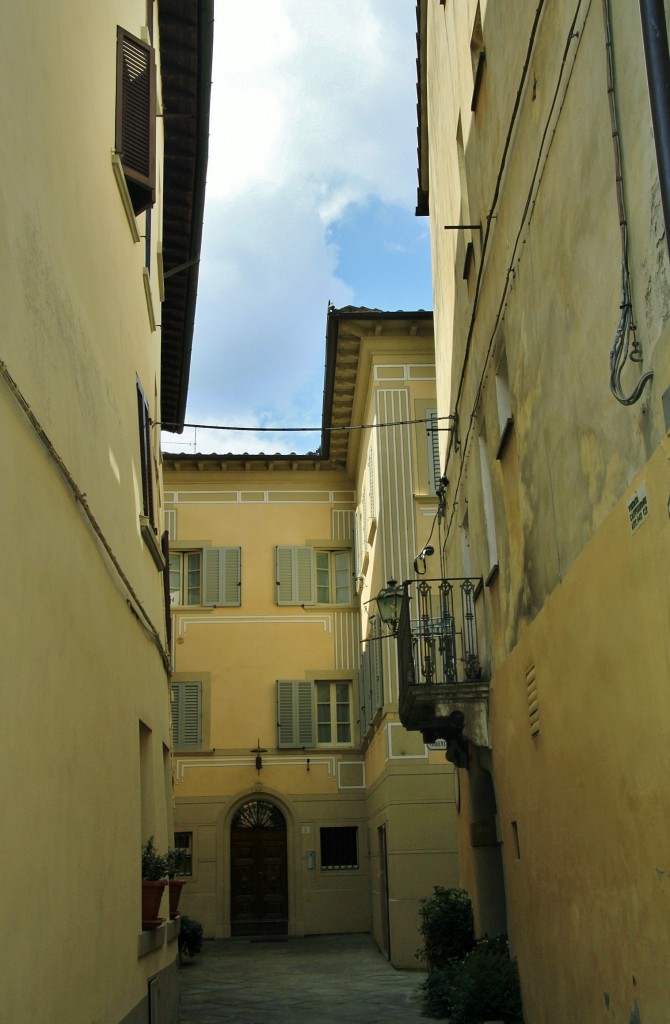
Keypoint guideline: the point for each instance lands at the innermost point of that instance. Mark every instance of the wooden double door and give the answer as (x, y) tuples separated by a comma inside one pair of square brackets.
[(258, 871)]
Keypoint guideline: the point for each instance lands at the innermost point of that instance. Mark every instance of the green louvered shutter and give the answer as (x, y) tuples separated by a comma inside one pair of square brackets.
[(221, 584), (186, 716), (294, 568), (434, 469), (295, 713)]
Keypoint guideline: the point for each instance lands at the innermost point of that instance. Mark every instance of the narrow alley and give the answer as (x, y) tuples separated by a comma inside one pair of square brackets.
[(317, 980)]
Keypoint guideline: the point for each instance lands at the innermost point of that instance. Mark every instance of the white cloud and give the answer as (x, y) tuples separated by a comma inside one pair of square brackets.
[(313, 111)]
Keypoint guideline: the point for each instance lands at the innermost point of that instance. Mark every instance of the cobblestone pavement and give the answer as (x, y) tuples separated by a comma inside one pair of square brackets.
[(340, 979)]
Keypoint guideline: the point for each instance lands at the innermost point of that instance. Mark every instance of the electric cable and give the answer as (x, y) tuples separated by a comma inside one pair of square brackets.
[(625, 346), (135, 606)]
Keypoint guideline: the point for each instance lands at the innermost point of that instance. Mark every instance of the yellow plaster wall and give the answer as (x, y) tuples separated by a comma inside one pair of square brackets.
[(379, 781), (579, 602), (80, 670)]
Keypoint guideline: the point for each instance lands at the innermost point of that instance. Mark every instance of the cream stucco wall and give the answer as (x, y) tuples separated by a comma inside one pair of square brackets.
[(571, 793), (81, 670), (383, 779)]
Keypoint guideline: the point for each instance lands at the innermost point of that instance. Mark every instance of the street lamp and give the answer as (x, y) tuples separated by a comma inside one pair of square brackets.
[(389, 601)]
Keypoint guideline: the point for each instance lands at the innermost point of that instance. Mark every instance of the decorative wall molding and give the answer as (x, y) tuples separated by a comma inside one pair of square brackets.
[(184, 764), (184, 621)]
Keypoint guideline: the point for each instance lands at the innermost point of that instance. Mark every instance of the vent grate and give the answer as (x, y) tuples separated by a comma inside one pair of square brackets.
[(533, 707)]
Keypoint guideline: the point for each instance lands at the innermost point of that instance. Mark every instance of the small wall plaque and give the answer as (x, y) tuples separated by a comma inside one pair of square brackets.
[(638, 507)]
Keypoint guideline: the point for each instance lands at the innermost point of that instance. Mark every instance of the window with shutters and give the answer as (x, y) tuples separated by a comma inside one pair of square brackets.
[(209, 576), (146, 461), (187, 715), (308, 575), (135, 128), (339, 848), (311, 714)]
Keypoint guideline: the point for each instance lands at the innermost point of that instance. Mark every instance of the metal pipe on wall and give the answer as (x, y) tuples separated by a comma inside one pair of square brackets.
[(657, 61)]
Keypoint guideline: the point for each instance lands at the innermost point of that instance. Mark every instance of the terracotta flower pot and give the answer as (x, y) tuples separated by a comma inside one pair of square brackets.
[(176, 887), (152, 893)]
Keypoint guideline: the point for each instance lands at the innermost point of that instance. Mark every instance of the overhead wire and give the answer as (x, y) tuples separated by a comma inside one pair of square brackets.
[(625, 346), (309, 430)]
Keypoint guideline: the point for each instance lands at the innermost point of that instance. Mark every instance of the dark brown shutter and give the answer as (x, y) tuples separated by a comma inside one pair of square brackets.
[(145, 454), (136, 117)]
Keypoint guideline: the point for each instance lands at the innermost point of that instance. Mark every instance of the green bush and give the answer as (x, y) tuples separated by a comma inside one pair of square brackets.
[(437, 991), (190, 937), (486, 987), (447, 926)]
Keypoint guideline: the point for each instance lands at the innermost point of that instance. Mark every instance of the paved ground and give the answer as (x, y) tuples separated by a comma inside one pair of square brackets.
[(340, 979)]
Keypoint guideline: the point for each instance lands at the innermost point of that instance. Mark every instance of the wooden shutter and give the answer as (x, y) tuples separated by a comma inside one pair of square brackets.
[(434, 468), (221, 583), (295, 713), (145, 454), (170, 522), (357, 547), (294, 575), (371, 483), (135, 135), (186, 715)]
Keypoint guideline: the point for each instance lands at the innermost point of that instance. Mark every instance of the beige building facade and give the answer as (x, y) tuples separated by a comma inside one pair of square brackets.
[(539, 174), (87, 178), (303, 803)]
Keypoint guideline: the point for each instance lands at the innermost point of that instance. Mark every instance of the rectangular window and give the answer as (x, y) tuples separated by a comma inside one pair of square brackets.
[(487, 501), (333, 713), (187, 715), (183, 843), (186, 577), (146, 461), (135, 130), (504, 403), (210, 577), (333, 577), (311, 714), (339, 848)]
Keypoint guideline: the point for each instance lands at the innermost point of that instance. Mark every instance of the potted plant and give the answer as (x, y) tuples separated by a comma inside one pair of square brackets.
[(175, 864), (154, 870)]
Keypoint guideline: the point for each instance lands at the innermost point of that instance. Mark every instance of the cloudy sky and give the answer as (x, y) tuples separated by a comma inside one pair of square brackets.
[(311, 191)]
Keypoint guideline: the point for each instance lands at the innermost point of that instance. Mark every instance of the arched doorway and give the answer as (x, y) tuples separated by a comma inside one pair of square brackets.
[(258, 875)]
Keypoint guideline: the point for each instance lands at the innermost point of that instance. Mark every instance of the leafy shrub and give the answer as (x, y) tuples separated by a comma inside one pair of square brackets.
[(486, 987), (437, 991), (496, 944), (447, 926), (190, 937)]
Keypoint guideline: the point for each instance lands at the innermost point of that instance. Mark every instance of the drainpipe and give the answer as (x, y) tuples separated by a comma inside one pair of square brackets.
[(657, 61)]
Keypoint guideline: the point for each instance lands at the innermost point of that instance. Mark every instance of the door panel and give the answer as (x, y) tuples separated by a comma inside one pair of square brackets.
[(259, 887)]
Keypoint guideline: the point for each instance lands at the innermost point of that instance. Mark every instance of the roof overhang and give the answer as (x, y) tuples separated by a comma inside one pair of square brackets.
[(342, 366), (186, 42), (422, 205)]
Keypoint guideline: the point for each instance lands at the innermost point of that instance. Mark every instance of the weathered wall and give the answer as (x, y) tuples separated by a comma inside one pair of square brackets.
[(80, 670), (575, 607)]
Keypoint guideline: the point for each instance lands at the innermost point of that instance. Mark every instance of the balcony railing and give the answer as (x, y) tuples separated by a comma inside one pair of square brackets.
[(443, 687)]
